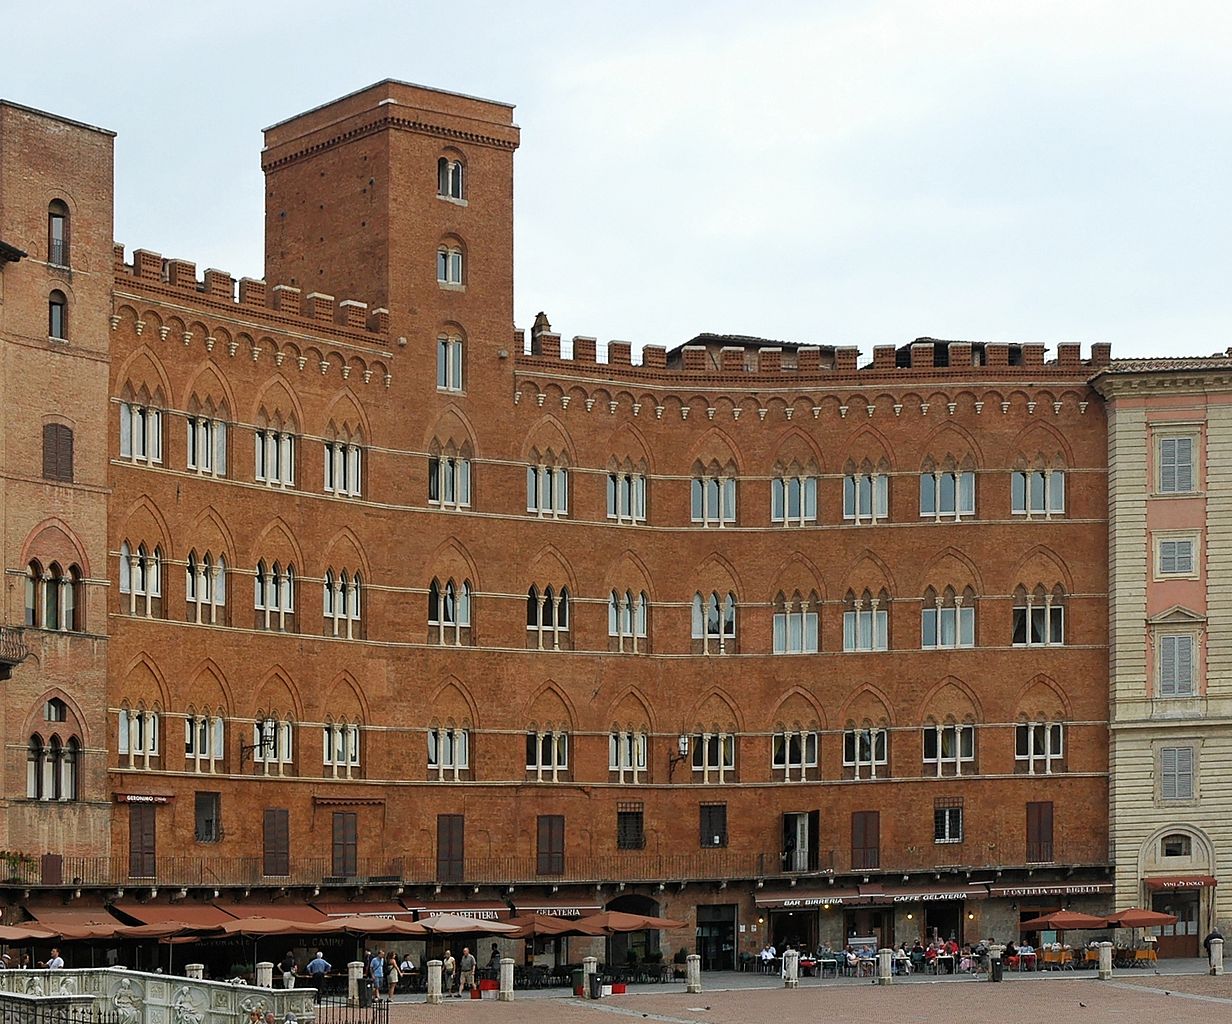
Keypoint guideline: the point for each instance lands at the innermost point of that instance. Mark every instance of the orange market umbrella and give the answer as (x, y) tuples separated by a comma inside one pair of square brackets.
[(257, 927), (612, 921), (370, 924), (459, 924), (1064, 921), (1137, 917), (535, 926), (20, 933)]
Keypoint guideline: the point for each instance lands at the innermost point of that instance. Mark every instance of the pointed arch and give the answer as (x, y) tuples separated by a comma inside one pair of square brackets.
[(343, 697), (871, 445), (210, 670), (144, 681), (277, 405), (869, 571), (208, 383), (1041, 439), (630, 709), (798, 572), (628, 571), (275, 694), (951, 566), (950, 438), (35, 721), (1041, 564), (144, 368), (715, 711), (627, 448), (715, 449), (795, 446), (451, 695), (948, 697), (207, 520), (53, 539), (716, 572), (548, 567), (266, 545), (1042, 699), (549, 436), (786, 714), (867, 704), (346, 413), (547, 705), (344, 551), (137, 528), (451, 427)]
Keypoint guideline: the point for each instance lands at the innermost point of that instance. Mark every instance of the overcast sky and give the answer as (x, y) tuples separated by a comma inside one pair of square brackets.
[(830, 172)]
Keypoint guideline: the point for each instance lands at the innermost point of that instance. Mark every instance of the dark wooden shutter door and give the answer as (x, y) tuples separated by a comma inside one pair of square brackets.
[(551, 844), (450, 847), (49, 452), (64, 454), (277, 842), (1039, 832), (865, 839), (141, 838), (814, 839), (346, 841)]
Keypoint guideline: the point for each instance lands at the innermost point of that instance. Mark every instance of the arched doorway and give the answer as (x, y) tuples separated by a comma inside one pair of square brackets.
[(1176, 875), (639, 944)]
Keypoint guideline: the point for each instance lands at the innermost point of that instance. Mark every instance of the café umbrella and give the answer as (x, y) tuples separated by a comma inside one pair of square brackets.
[(1138, 917), (460, 924), (1064, 921)]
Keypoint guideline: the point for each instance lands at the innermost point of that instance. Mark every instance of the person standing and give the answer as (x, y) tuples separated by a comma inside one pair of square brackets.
[(392, 973), (466, 971), (287, 966), (449, 967), (318, 967), (378, 971), (56, 961)]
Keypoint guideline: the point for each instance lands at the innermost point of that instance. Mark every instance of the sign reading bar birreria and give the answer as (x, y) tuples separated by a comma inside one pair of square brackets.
[(803, 900), (1060, 889), (143, 798)]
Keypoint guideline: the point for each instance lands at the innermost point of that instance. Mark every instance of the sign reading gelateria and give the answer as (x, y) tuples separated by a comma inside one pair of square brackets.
[(915, 897)]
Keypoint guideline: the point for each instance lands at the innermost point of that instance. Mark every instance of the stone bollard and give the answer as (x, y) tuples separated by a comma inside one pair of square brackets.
[(885, 966), (590, 964), (995, 951), (434, 981), (693, 973), (196, 971), (355, 971), (265, 974), (791, 969), (505, 995), (1217, 956), (1105, 961)]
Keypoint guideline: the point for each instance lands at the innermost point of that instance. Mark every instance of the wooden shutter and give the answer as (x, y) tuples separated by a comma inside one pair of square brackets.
[(450, 847), (141, 841), (49, 451), (1039, 832), (346, 842), (57, 452), (713, 820), (276, 843), (865, 839), (551, 844), (814, 840)]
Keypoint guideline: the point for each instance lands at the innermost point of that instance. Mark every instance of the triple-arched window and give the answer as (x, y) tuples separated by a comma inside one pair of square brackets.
[(1039, 616), (866, 621), (714, 623), (53, 768), (205, 587), (141, 578), (627, 611), (53, 597), (274, 596), (796, 623), (547, 617), (449, 612), (947, 618), (341, 603)]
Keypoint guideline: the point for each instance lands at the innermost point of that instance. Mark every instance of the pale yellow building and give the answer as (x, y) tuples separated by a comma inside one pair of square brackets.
[(1170, 588)]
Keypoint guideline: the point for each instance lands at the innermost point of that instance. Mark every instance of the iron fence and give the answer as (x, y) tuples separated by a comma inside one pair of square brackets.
[(23, 1009)]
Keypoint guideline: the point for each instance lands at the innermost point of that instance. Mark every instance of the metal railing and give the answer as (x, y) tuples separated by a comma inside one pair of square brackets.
[(57, 252), (13, 648)]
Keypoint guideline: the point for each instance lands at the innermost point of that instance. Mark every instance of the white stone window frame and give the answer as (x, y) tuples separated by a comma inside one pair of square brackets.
[(808, 739), (962, 509), (342, 602), (804, 614), (807, 487), (274, 457), (273, 741), (343, 464), (547, 490), (138, 736), (560, 599), (141, 433), (205, 445), (205, 742), (1162, 537), (627, 614), (877, 484), (1053, 751), (1162, 432), (340, 748), (449, 752), (450, 364), (712, 500), (939, 761), (725, 608), (626, 496), (627, 755), (452, 480), (713, 765), (205, 587), (876, 737), (1054, 493), (548, 768)]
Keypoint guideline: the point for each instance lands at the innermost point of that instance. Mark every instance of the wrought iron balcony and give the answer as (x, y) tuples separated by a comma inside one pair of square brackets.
[(13, 650)]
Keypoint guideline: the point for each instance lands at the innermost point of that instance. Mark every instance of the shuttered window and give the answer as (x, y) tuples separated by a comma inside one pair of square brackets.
[(1176, 475), (1176, 675), (551, 845), (1039, 832), (450, 849), (1176, 773), (276, 842), (1176, 557), (865, 840), (141, 845), (57, 452), (713, 821), (346, 844)]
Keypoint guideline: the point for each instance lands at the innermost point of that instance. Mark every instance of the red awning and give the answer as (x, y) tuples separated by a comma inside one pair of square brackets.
[(72, 917), (303, 912), (382, 908), (482, 910), (1181, 882), (925, 893), (805, 899), (199, 914), (552, 907)]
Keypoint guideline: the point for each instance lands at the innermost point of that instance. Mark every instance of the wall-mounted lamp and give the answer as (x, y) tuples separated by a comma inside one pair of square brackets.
[(265, 744), (682, 752), (911, 917)]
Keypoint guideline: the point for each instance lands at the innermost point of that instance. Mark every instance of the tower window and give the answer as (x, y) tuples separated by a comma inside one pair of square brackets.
[(449, 178), (57, 316), (57, 234)]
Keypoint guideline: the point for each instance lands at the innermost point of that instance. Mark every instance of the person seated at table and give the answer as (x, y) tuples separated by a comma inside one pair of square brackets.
[(902, 962), (930, 954), (851, 960), (767, 953), (951, 947)]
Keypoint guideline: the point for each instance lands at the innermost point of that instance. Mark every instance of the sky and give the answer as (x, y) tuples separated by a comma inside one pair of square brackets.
[(838, 173)]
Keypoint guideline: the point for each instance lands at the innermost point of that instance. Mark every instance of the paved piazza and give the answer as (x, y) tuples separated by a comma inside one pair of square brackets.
[(1050, 999)]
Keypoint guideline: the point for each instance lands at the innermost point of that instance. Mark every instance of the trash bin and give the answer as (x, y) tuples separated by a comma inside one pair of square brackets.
[(366, 992), (596, 986), (996, 967), (579, 983)]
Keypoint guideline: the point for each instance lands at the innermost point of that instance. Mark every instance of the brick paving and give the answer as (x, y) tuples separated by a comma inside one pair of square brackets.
[(1055, 999)]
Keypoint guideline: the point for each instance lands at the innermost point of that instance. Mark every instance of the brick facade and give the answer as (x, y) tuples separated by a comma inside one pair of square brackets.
[(339, 344)]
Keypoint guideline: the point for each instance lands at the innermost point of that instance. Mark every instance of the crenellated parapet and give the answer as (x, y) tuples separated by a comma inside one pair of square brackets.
[(727, 375), (254, 300)]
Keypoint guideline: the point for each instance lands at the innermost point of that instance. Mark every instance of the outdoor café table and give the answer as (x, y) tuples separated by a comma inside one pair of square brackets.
[(945, 963), (828, 963), (867, 966), (807, 966), (1028, 962)]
